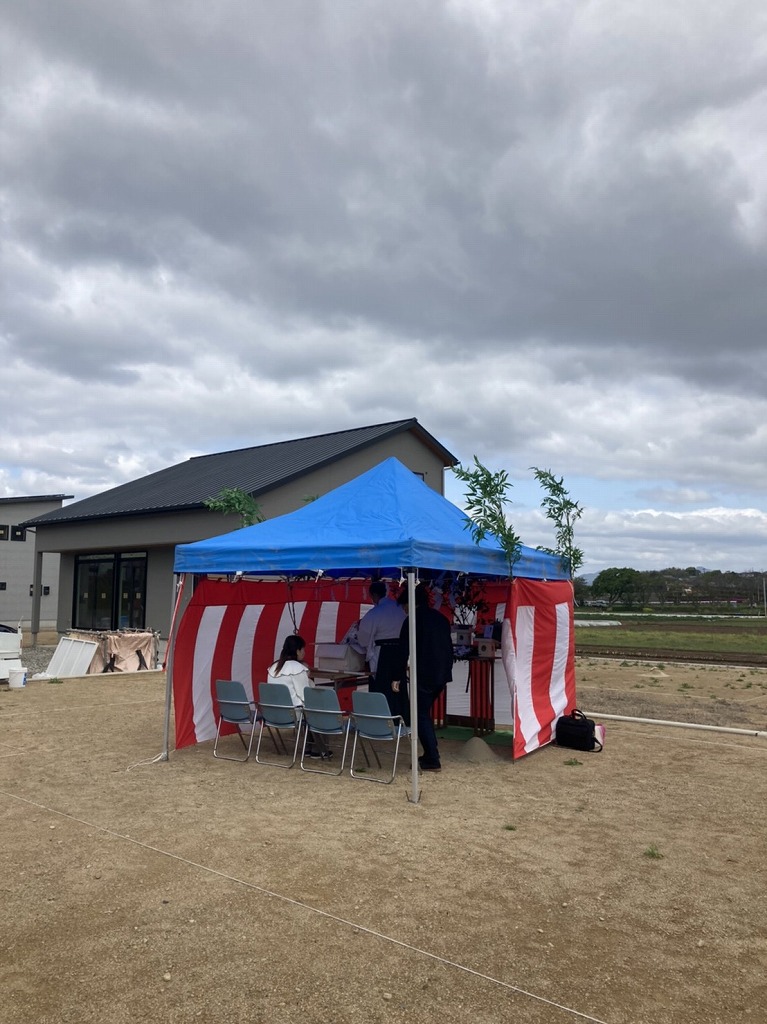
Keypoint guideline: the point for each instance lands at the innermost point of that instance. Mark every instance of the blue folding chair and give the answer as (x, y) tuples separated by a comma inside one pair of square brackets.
[(234, 708), (276, 712), (323, 717), (372, 720)]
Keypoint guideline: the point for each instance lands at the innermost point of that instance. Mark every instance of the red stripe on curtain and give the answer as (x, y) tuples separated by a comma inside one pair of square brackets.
[(266, 642), (183, 661)]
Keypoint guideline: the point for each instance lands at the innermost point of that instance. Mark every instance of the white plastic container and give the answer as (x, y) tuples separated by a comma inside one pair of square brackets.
[(17, 678)]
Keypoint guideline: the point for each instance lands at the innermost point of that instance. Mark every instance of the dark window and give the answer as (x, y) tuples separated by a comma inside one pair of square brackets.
[(4, 531), (110, 591), (2, 585), (18, 533), (132, 594)]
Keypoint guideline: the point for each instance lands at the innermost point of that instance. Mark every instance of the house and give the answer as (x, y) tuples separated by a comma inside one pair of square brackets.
[(17, 562), (117, 547)]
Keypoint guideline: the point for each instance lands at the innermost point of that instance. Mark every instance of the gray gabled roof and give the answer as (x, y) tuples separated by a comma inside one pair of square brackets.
[(30, 499), (186, 486)]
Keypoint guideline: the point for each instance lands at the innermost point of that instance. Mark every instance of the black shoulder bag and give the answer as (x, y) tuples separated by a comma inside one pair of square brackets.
[(577, 732)]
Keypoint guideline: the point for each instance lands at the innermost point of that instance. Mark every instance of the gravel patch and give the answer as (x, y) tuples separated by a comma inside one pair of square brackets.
[(37, 659)]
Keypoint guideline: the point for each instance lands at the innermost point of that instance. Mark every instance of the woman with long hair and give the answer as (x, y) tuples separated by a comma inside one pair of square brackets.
[(291, 669)]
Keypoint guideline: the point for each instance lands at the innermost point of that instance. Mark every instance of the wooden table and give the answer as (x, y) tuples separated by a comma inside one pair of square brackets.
[(344, 683)]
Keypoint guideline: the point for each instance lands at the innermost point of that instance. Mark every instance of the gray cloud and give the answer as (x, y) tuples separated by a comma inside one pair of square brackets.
[(540, 229)]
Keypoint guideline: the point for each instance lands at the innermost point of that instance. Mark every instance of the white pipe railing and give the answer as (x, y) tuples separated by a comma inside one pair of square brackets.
[(680, 725)]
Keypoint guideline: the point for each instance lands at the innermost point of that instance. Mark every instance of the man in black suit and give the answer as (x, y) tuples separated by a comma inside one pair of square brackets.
[(434, 664)]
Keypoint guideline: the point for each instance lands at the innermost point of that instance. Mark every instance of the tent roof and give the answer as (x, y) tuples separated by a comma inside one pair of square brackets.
[(383, 521)]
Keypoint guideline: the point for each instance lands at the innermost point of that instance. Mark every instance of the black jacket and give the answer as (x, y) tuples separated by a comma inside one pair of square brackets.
[(434, 648)]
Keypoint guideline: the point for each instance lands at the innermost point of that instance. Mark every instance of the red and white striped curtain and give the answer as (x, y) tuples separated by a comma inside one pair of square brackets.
[(236, 631), (538, 650)]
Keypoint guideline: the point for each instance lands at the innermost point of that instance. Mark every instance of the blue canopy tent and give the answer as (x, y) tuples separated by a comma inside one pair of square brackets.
[(385, 522)]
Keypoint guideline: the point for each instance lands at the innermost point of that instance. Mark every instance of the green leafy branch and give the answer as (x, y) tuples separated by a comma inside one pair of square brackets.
[(486, 498), (234, 501), (563, 513)]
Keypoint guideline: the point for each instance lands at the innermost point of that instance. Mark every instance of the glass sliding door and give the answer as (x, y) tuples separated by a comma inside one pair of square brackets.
[(110, 591), (94, 592)]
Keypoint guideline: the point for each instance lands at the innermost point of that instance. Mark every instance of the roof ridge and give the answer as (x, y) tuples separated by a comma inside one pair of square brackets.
[(308, 437)]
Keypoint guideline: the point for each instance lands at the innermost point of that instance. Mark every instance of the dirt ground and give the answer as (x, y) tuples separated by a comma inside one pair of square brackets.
[(621, 887)]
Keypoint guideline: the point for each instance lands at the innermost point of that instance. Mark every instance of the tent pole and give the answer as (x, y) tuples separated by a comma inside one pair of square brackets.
[(511, 677), (179, 587), (415, 795)]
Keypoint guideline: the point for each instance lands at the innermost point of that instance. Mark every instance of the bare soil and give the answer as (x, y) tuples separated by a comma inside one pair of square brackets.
[(622, 887)]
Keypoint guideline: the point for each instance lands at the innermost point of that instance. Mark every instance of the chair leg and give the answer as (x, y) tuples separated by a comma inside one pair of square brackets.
[(278, 764), (364, 750), (369, 778), (277, 736), (250, 741), (322, 771), (295, 745), (228, 757)]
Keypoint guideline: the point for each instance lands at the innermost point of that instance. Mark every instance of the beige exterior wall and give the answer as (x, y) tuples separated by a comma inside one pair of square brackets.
[(133, 533), (405, 447)]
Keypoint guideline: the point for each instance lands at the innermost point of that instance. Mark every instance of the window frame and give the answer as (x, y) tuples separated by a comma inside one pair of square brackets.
[(112, 562)]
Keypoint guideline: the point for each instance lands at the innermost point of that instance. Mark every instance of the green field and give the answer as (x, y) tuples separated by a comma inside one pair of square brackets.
[(721, 636)]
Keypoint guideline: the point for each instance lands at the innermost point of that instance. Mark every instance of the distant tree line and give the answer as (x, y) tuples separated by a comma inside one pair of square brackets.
[(673, 587)]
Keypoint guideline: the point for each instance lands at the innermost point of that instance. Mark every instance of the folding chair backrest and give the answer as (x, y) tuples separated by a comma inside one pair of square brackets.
[(276, 705), (233, 702), (322, 711), (372, 717)]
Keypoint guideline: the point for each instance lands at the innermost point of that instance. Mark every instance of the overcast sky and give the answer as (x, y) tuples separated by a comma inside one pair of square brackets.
[(540, 228)]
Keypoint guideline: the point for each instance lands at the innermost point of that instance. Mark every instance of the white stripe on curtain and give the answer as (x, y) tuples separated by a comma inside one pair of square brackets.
[(204, 650), (326, 624), (242, 655), (525, 634), (557, 694)]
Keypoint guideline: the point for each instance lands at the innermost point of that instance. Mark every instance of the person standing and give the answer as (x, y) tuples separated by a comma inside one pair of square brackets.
[(434, 665), (378, 639)]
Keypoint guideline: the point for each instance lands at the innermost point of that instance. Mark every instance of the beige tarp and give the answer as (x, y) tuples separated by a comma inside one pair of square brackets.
[(121, 651)]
